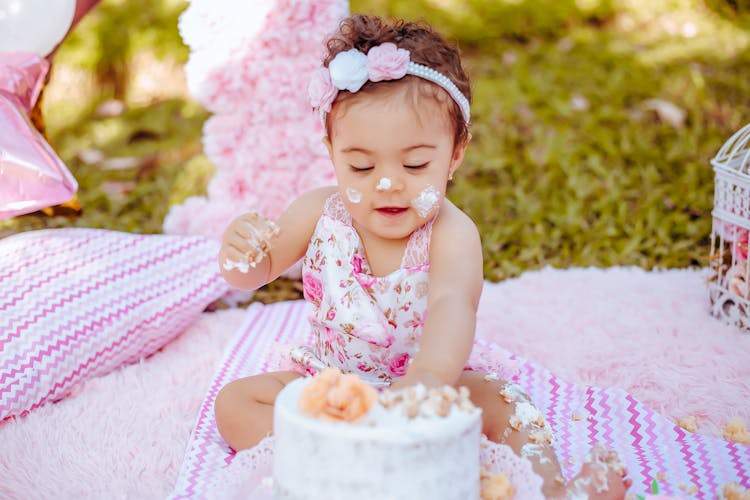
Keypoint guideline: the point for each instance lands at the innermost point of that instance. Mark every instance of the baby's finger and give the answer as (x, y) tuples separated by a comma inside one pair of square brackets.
[(253, 246), (238, 242), (272, 230), (235, 253), (243, 228), (253, 231)]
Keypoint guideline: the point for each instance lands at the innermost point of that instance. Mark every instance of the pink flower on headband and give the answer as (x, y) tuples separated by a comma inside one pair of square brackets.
[(387, 62), (321, 90)]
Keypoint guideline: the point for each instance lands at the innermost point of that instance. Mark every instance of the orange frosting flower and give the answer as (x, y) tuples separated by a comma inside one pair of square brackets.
[(333, 396), (496, 486)]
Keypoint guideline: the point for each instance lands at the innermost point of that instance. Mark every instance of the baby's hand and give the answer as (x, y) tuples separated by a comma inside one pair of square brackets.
[(247, 241)]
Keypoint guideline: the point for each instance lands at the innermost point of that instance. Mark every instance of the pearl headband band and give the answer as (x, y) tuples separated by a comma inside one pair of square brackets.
[(351, 69)]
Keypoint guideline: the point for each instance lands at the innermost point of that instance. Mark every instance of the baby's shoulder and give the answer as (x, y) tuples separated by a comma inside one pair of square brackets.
[(315, 197), (455, 238), (310, 203), (303, 213), (452, 224)]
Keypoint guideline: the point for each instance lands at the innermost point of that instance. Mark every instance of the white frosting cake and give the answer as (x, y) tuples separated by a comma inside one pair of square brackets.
[(413, 444)]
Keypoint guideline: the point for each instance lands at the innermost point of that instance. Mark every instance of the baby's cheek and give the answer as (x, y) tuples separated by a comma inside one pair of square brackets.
[(426, 201), (353, 195)]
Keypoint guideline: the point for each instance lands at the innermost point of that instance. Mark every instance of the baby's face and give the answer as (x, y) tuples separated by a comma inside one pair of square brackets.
[(392, 164)]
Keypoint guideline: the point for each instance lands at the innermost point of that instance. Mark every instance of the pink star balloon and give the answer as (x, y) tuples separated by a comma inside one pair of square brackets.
[(32, 176)]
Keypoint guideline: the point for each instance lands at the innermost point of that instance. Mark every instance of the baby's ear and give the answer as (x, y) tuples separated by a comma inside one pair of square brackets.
[(329, 147), (458, 155)]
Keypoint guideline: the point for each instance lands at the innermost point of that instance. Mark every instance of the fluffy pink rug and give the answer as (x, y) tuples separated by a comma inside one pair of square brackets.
[(649, 333), (122, 435), (125, 434)]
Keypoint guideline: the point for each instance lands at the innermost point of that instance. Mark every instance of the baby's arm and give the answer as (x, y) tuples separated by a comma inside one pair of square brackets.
[(455, 287), (251, 235)]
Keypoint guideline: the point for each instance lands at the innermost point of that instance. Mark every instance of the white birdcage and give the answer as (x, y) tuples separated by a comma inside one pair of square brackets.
[(730, 266)]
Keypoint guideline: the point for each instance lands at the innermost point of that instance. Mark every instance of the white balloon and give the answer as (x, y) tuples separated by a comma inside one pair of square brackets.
[(34, 25)]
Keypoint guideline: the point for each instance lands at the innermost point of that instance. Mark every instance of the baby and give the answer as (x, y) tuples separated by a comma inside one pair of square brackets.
[(392, 268)]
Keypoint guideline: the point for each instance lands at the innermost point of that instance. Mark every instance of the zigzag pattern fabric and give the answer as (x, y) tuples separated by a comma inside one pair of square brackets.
[(651, 446), (77, 303)]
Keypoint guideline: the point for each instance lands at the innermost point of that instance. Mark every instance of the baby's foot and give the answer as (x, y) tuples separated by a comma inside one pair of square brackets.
[(602, 476)]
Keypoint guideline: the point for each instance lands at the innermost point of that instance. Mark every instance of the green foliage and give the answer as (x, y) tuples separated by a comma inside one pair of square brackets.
[(569, 165), (108, 38), (482, 22), (572, 162)]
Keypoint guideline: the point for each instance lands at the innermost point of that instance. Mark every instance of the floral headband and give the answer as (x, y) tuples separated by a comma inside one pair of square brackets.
[(351, 69)]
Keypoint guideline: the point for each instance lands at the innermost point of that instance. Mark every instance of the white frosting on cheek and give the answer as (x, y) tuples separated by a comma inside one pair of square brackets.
[(384, 184), (427, 200), (353, 195)]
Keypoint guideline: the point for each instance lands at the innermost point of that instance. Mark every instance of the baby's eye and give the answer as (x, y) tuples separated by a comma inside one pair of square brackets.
[(360, 169), (421, 165)]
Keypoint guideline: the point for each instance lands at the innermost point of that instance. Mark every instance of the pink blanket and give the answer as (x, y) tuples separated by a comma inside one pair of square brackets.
[(649, 333), (648, 443)]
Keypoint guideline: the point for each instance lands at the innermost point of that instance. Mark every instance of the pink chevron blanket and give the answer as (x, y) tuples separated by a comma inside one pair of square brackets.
[(651, 446)]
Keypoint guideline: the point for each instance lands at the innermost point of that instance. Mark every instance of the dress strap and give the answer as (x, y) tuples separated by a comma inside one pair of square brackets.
[(417, 251), (334, 208)]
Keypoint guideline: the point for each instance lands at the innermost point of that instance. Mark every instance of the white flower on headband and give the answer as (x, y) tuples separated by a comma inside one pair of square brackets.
[(348, 70)]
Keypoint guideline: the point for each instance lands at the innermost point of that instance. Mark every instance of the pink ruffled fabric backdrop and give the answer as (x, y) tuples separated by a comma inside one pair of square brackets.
[(250, 64)]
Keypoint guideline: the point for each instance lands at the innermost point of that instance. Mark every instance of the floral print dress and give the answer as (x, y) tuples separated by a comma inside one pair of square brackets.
[(371, 325), (364, 324)]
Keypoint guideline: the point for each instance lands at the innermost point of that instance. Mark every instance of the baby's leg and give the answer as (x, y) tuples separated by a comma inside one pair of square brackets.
[(244, 408), (509, 417)]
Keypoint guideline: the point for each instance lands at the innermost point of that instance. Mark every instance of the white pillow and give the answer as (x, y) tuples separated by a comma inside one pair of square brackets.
[(77, 303)]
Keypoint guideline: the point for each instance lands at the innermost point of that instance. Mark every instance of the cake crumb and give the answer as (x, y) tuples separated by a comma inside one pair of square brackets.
[(733, 491), (576, 417), (735, 431), (660, 476), (689, 489), (689, 423), (495, 486), (541, 436), (515, 422)]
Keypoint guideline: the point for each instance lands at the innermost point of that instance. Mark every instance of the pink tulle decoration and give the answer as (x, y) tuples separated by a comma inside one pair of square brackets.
[(32, 176), (250, 64)]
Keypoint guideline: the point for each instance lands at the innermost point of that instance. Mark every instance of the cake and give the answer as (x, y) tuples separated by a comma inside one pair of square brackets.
[(337, 438)]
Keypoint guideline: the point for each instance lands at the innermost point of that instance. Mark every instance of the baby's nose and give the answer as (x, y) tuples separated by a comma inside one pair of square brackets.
[(389, 184), (384, 184)]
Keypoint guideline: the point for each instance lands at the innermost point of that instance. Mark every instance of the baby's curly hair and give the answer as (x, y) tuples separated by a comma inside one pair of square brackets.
[(425, 45)]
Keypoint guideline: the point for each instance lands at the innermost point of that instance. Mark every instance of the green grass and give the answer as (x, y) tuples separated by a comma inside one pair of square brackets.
[(607, 182)]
